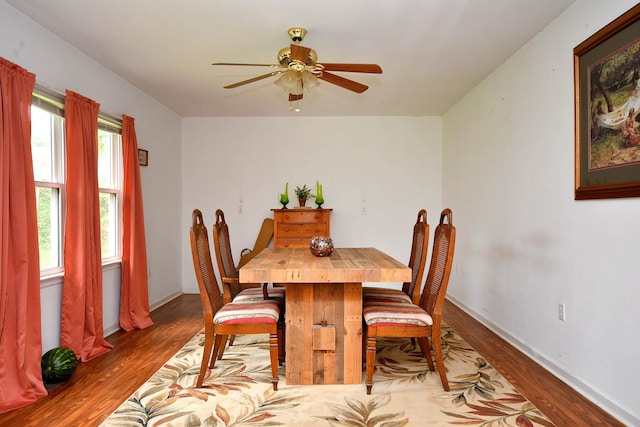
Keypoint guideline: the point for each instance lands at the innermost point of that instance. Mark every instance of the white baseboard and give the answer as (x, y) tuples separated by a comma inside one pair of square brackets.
[(588, 392), (115, 328), (165, 300)]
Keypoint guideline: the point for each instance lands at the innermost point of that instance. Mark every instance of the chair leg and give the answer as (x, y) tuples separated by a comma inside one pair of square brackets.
[(281, 342), (232, 338), (371, 360), (273, 353), (437, 350), (426, 352), (206, 354), (222, 346), (218, 349), (364, 345)]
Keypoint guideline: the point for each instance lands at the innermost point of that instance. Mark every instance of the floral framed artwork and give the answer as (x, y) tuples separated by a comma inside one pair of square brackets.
[(607, 109), (143, 157)]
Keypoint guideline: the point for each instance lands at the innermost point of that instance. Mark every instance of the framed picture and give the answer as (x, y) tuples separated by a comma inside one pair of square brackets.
[(607, 107), (143, 157)]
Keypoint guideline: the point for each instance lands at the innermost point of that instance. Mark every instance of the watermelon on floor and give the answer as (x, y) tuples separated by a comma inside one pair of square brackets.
[(58, 364)]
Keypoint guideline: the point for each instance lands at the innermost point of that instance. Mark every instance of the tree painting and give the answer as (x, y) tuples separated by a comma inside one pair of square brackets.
[(614, 103)]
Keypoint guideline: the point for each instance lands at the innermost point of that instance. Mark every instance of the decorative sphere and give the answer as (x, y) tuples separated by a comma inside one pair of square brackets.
[(321, 246)]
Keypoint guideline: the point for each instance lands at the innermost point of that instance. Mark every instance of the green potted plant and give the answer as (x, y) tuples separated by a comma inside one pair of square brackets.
[(303, 193)]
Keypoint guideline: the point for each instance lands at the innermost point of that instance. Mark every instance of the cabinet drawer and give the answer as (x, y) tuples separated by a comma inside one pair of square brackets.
[(301, 230), (294, 242), (301, 217)]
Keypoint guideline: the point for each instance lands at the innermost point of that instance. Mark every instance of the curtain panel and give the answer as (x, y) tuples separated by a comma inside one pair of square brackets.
[(81, 327), (134, 296), (20, 325)]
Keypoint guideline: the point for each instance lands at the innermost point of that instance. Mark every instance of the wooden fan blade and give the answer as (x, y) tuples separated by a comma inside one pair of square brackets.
[(255, 79), (246, 65), (342, 82), (353, 68), (300, 53), (295, 97)]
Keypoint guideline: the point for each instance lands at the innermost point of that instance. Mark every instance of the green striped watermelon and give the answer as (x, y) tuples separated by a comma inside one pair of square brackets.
[(58, 364)]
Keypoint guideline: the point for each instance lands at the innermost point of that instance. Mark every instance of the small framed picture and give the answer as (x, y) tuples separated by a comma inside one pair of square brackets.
[(143, 157)]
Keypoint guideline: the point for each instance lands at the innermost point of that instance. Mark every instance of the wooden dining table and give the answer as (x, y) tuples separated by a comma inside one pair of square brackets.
[(323, 309)]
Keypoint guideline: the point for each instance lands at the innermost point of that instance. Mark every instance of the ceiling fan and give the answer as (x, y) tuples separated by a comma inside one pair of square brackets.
[(298, 68)]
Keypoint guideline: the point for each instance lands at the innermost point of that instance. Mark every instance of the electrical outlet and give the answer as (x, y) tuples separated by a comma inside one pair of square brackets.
[(561, 311)]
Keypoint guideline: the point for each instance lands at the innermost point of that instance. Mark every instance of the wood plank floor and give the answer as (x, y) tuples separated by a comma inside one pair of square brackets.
[(98, 387)]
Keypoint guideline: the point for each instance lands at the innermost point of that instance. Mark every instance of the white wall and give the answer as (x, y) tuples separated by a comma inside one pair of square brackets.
[(60, 66), (390, 164), (524, 245)]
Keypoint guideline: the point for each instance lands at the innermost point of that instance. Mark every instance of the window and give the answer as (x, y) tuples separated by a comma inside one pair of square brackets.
[(110, 173), (48, 145)]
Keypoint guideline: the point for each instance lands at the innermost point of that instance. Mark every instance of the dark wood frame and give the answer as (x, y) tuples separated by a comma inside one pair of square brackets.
[(622, 181), (143, 157)]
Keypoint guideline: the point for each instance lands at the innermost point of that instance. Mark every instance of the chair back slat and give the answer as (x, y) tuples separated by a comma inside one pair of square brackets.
[(435, 287), (418, 257), (210, 293), (224, 255)]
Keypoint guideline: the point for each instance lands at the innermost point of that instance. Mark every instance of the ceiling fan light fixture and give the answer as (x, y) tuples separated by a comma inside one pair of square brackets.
[(293, 83), (309, 80), (287, 80)]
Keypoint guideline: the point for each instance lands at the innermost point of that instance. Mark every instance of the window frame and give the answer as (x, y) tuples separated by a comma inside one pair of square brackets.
[(117, 171), (53, 102)]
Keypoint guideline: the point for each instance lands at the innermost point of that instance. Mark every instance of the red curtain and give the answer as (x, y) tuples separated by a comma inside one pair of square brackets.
[(81, 328), (20, 327), (134, 298)]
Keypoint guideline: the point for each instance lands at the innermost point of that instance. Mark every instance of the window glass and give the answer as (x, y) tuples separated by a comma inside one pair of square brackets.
[(47, 142), (110, 173), (47, 202), (108, 224)]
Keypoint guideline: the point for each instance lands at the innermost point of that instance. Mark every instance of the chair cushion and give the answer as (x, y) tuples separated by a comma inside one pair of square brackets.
[(394, 314), (256, 294), (265, 311), (374, 294)]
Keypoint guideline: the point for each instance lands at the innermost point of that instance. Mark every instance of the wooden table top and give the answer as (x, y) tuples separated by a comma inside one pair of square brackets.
[(345, 265)]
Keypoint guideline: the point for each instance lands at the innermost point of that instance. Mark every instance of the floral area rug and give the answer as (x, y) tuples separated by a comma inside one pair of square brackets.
[(238, 392)]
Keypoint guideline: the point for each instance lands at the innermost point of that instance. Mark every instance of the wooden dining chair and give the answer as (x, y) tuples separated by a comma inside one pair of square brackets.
[(236, 291), (224, 319), (229, 272), (422, 321), (410, 292)]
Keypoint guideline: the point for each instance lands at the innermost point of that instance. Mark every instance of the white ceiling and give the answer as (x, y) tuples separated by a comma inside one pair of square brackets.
[(432, 52)]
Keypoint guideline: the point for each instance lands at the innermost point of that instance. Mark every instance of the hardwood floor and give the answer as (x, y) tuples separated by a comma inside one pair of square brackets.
[(98, 387)]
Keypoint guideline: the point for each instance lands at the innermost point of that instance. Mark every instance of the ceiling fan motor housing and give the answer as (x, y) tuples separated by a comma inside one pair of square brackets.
[(284, 57)]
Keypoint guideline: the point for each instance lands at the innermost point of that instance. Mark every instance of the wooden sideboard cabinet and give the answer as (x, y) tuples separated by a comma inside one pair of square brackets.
[(294, 228)]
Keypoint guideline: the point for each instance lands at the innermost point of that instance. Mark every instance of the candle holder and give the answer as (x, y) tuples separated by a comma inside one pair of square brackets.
[(319, 196), (284, 197)]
